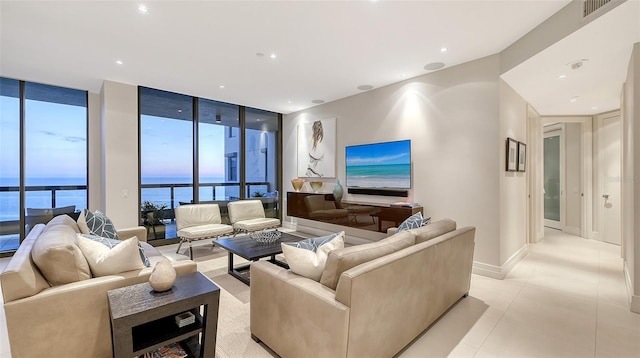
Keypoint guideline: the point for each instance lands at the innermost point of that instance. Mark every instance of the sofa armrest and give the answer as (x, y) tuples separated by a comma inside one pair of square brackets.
[(391, 231), (294, 315), (139, 231), (75, 316)]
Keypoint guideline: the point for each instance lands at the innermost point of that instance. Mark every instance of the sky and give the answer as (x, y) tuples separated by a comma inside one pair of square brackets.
[(55, 140), (387, 153), (167, 148), (56, 144)]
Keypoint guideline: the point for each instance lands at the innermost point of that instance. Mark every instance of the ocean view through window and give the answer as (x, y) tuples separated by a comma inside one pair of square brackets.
[(54, 162), (191, 152)]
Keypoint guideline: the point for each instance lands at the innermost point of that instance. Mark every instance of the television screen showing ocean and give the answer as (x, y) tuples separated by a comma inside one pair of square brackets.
[(379, 176), (10, 200)]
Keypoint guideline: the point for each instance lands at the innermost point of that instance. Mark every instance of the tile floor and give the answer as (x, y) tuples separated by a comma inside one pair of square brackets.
[(566, 298)]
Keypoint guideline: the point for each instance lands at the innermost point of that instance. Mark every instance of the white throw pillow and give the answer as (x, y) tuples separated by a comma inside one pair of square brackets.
[(308, 257), (82, 222), (105, 261)]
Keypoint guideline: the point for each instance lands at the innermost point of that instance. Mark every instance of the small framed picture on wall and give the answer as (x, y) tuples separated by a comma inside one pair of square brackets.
[(522, 157), (512, 155)]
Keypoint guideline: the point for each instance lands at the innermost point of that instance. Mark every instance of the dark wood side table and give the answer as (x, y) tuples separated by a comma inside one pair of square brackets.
[(142, 320), (395, 214)]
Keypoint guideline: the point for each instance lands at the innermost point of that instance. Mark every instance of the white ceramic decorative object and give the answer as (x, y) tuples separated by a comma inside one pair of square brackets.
[(163, 276)]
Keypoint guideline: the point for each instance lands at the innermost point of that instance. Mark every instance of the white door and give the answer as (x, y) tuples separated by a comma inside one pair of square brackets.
[(609, 160), (553, 168)]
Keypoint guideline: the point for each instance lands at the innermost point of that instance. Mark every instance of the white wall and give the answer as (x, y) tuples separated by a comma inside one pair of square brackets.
[(513, 185), (94, 196), (453, 118), (119, 155), (573, 175), (631, 178)]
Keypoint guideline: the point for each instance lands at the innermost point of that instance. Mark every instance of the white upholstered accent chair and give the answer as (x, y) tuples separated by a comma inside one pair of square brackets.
[(248, 216), (199, 221)]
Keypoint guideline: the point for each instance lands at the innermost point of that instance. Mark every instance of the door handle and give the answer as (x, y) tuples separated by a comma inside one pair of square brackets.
[(605, 196)]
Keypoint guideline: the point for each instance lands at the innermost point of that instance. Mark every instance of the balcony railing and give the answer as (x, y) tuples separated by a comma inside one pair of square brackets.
[(173, 201), (10, 229), (10, 208)]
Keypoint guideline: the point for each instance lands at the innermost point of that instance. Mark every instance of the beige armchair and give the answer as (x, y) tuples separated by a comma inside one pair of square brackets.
[(248, 216), (199, 221)]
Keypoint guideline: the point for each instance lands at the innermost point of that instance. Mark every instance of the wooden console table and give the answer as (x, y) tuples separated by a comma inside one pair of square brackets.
[(142, 320), (362, 216)]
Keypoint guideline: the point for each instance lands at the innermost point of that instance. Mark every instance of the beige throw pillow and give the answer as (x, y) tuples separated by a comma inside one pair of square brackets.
[(109, 261), (307, 257), (82, 222), (57, 256)]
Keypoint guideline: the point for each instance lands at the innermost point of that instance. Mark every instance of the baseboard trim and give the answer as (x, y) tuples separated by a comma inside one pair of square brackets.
[(487, 270), (634, 300), (499, 272)]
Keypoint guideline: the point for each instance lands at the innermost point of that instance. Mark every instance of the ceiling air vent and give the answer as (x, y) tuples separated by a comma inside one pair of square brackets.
[(590, 6)]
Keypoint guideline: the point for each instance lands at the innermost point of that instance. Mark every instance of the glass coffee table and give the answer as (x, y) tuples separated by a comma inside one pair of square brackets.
[(249, 249)]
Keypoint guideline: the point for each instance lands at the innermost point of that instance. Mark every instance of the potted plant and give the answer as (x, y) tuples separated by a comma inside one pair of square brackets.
[(152, 216)]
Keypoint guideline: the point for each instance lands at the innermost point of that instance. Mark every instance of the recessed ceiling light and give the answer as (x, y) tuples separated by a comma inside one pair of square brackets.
[(273, 55), (403, 75), (259, 54), (289, 102), (594, 107), (444, 49), (562, 76), (143, 9), (434, 66), (218, 118), (221, 86), (119, 62), (573, 99), (365, 87), (179, 111), (317, 101)]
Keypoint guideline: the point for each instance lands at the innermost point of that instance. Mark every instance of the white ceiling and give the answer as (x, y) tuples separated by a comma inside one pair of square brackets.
[(606, 43), (324, 49)]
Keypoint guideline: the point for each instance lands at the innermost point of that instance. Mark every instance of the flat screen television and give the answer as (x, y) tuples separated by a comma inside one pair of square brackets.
[(379, 165)]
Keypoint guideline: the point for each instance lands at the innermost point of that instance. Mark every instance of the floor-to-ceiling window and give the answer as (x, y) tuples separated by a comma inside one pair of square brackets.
[(9, 164), (218, 147), (261, 158), (218, 151), (49, 176), (166, 158)]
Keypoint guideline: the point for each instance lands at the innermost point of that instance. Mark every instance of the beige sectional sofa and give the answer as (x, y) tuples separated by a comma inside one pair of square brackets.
[(67, 319), (372, 299)]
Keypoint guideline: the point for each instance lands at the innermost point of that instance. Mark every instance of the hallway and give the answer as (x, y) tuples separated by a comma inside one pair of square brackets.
[(566, 298)]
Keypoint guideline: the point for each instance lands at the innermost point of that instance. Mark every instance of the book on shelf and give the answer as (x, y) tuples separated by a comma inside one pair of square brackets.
[(172, 350), (185, 319)]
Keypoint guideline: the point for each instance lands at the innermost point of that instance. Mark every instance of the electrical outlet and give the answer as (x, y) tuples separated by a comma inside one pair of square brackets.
[(125, 193)]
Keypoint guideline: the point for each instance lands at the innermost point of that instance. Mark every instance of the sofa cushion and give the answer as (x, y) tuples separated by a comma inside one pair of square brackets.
[(413, 222), (65, 220), (57, 256), (97, 223), (341, 260), (111, 243), (433, 229), (308, 257), (108, 261)]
